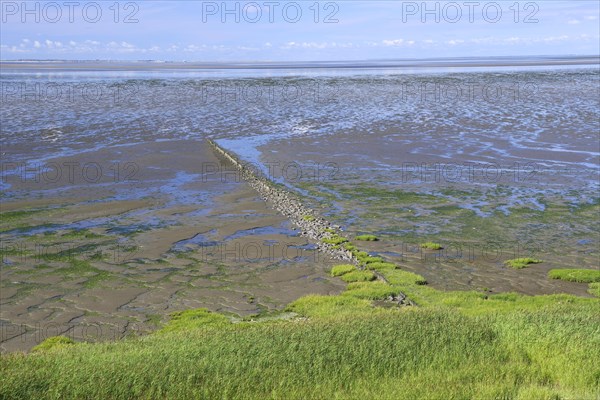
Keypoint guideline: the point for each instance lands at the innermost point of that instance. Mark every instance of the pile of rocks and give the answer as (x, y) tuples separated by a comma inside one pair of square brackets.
[(308, 222)]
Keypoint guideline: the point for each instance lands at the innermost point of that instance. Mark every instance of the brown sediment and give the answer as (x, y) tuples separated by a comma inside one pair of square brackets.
[(127, 292)]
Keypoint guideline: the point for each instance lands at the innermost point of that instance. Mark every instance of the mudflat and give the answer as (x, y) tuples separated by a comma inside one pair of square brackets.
[(119, 256)]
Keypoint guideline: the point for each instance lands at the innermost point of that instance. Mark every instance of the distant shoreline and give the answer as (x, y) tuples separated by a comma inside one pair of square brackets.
[(86, 65)]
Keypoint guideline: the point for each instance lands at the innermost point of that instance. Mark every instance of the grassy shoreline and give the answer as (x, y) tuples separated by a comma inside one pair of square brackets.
[(453, 345)]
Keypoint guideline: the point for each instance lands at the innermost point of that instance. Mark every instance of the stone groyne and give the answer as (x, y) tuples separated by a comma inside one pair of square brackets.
[(308, 221)]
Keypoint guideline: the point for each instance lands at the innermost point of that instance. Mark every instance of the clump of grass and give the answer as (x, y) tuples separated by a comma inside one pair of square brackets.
[(81, 233), (339, 270), (358, 276), (575, 275), (399, 277), (379, 266), (519, 263), (594, 289), (367, 238), (371, 260), (324, 306), (370, 290), (53, 342), (431, 246), (365, 258), (308, 218), (335, 240), (349, 246), (189, 319)]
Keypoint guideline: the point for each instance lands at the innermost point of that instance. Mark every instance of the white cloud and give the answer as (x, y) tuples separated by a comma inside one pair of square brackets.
[(12, 49), (573, 22), (395, 42), (310, 45)]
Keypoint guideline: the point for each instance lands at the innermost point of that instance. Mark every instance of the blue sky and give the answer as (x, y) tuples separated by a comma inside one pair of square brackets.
[(294, 31)]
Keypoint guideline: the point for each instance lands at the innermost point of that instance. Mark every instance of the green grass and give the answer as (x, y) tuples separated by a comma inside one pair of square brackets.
[(380, 266), (365, 258), (367, 238), (370, 290), (339, 270), (53, 343), (431, 246), (575, 275), (358, 276), (349, 246), (370, 260), (334, 240), (594, 289), (399, 277), (308, 218), (191, 319), (520, 263), (371, 353)]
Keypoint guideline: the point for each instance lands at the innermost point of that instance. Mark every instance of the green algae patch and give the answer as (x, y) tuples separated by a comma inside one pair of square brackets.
[(520, 263), (367, 238), (431, 246)]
